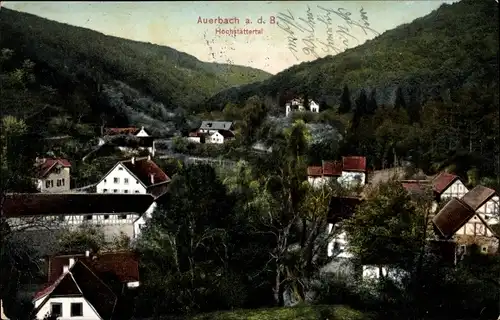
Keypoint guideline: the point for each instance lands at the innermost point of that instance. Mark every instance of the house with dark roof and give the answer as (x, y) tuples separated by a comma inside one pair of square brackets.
[(135, 176), (447, 186), (213, 126), (130, 131), (349, 172), (459, 222), (115, 213), (213, 132), (52, 175), (131, 140), (88, 286)]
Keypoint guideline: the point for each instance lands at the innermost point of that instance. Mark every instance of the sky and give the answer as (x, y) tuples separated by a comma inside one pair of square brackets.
[(303, 30)]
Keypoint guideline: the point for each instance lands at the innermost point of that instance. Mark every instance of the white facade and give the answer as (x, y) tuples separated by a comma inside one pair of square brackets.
[(142, 220), (216, 137), (194, 139), (88, 312), (298, 104), (456, 190), (120, 180), (338, 245), (142, 133), (490, 210), (320, 181), (351, 178), (474, 227)]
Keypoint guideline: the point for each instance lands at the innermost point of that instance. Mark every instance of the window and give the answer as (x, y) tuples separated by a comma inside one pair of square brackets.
[(125, 180), (76, 309), (52, 183), (484, 249), (88, 217), (136, 191), (104, 180), (125, 191), (104, 190), (106, 216), (123, 216), (115, 190), (137, 181), (116, 180), (47, 184), (56, 309), (62, 182), (58, 182), (120, 168)]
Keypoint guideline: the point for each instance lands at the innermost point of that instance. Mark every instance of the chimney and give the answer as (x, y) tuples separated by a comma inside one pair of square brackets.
[(71, 262), (87, 253), (152, 176), (133, 160)]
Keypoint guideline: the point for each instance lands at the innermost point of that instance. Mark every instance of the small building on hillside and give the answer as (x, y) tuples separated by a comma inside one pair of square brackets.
[(88, 286), (447, 185), (115, 214), (53, 175), (350, 172), (131, 131), (299, 105), (216, 132), (137, 176)]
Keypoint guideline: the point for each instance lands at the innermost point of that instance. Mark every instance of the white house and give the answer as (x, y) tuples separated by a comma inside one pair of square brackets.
[(485, 202), (350, 172), (447, 186), (80, 286), (115, 214), (53, 175), (298, 105), (137, 176), (458, 221)]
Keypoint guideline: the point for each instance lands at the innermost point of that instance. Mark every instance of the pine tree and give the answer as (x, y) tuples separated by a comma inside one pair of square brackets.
[(372, 102), (360, 111), (399, 103), (345, 101)]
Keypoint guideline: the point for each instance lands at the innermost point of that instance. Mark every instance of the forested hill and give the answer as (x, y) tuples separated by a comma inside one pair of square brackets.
[(150, 76), (454, 46)]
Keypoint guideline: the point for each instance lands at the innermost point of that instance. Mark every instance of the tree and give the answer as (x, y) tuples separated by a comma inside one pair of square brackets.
[(186, 245), (399, 102), (345, 101), (254, 114), (371, 105), (361, 108)]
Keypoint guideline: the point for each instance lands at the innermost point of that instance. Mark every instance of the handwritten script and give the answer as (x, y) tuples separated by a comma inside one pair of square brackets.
[(339, 24)]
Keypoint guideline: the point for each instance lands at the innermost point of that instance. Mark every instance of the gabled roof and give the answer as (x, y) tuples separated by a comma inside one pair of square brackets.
[(39, 204), (119, 131), (124, 265), (143, 169), (44, 166), (442, 181), (314, 171), (332, 168), (476, 197), (216, 125), (452, 217), (81, 280), (354, 163), (226, 133)]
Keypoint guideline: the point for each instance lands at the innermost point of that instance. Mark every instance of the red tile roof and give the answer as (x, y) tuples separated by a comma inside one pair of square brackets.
[(44, 166), (125, 265), (442, 181), (314, 171), (39, 204), (332, 168), (143, 168), (354, 163), (119, 131)]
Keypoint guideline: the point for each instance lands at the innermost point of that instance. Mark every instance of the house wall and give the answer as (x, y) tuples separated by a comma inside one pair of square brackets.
[(142, 133), (338, 243), (50, 183), (490, 211), (456, 190), (351, 178), (313, 106), (317, 182), (88, 311), (476, 232), (108, 184), (217, 138), (194, 139)]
